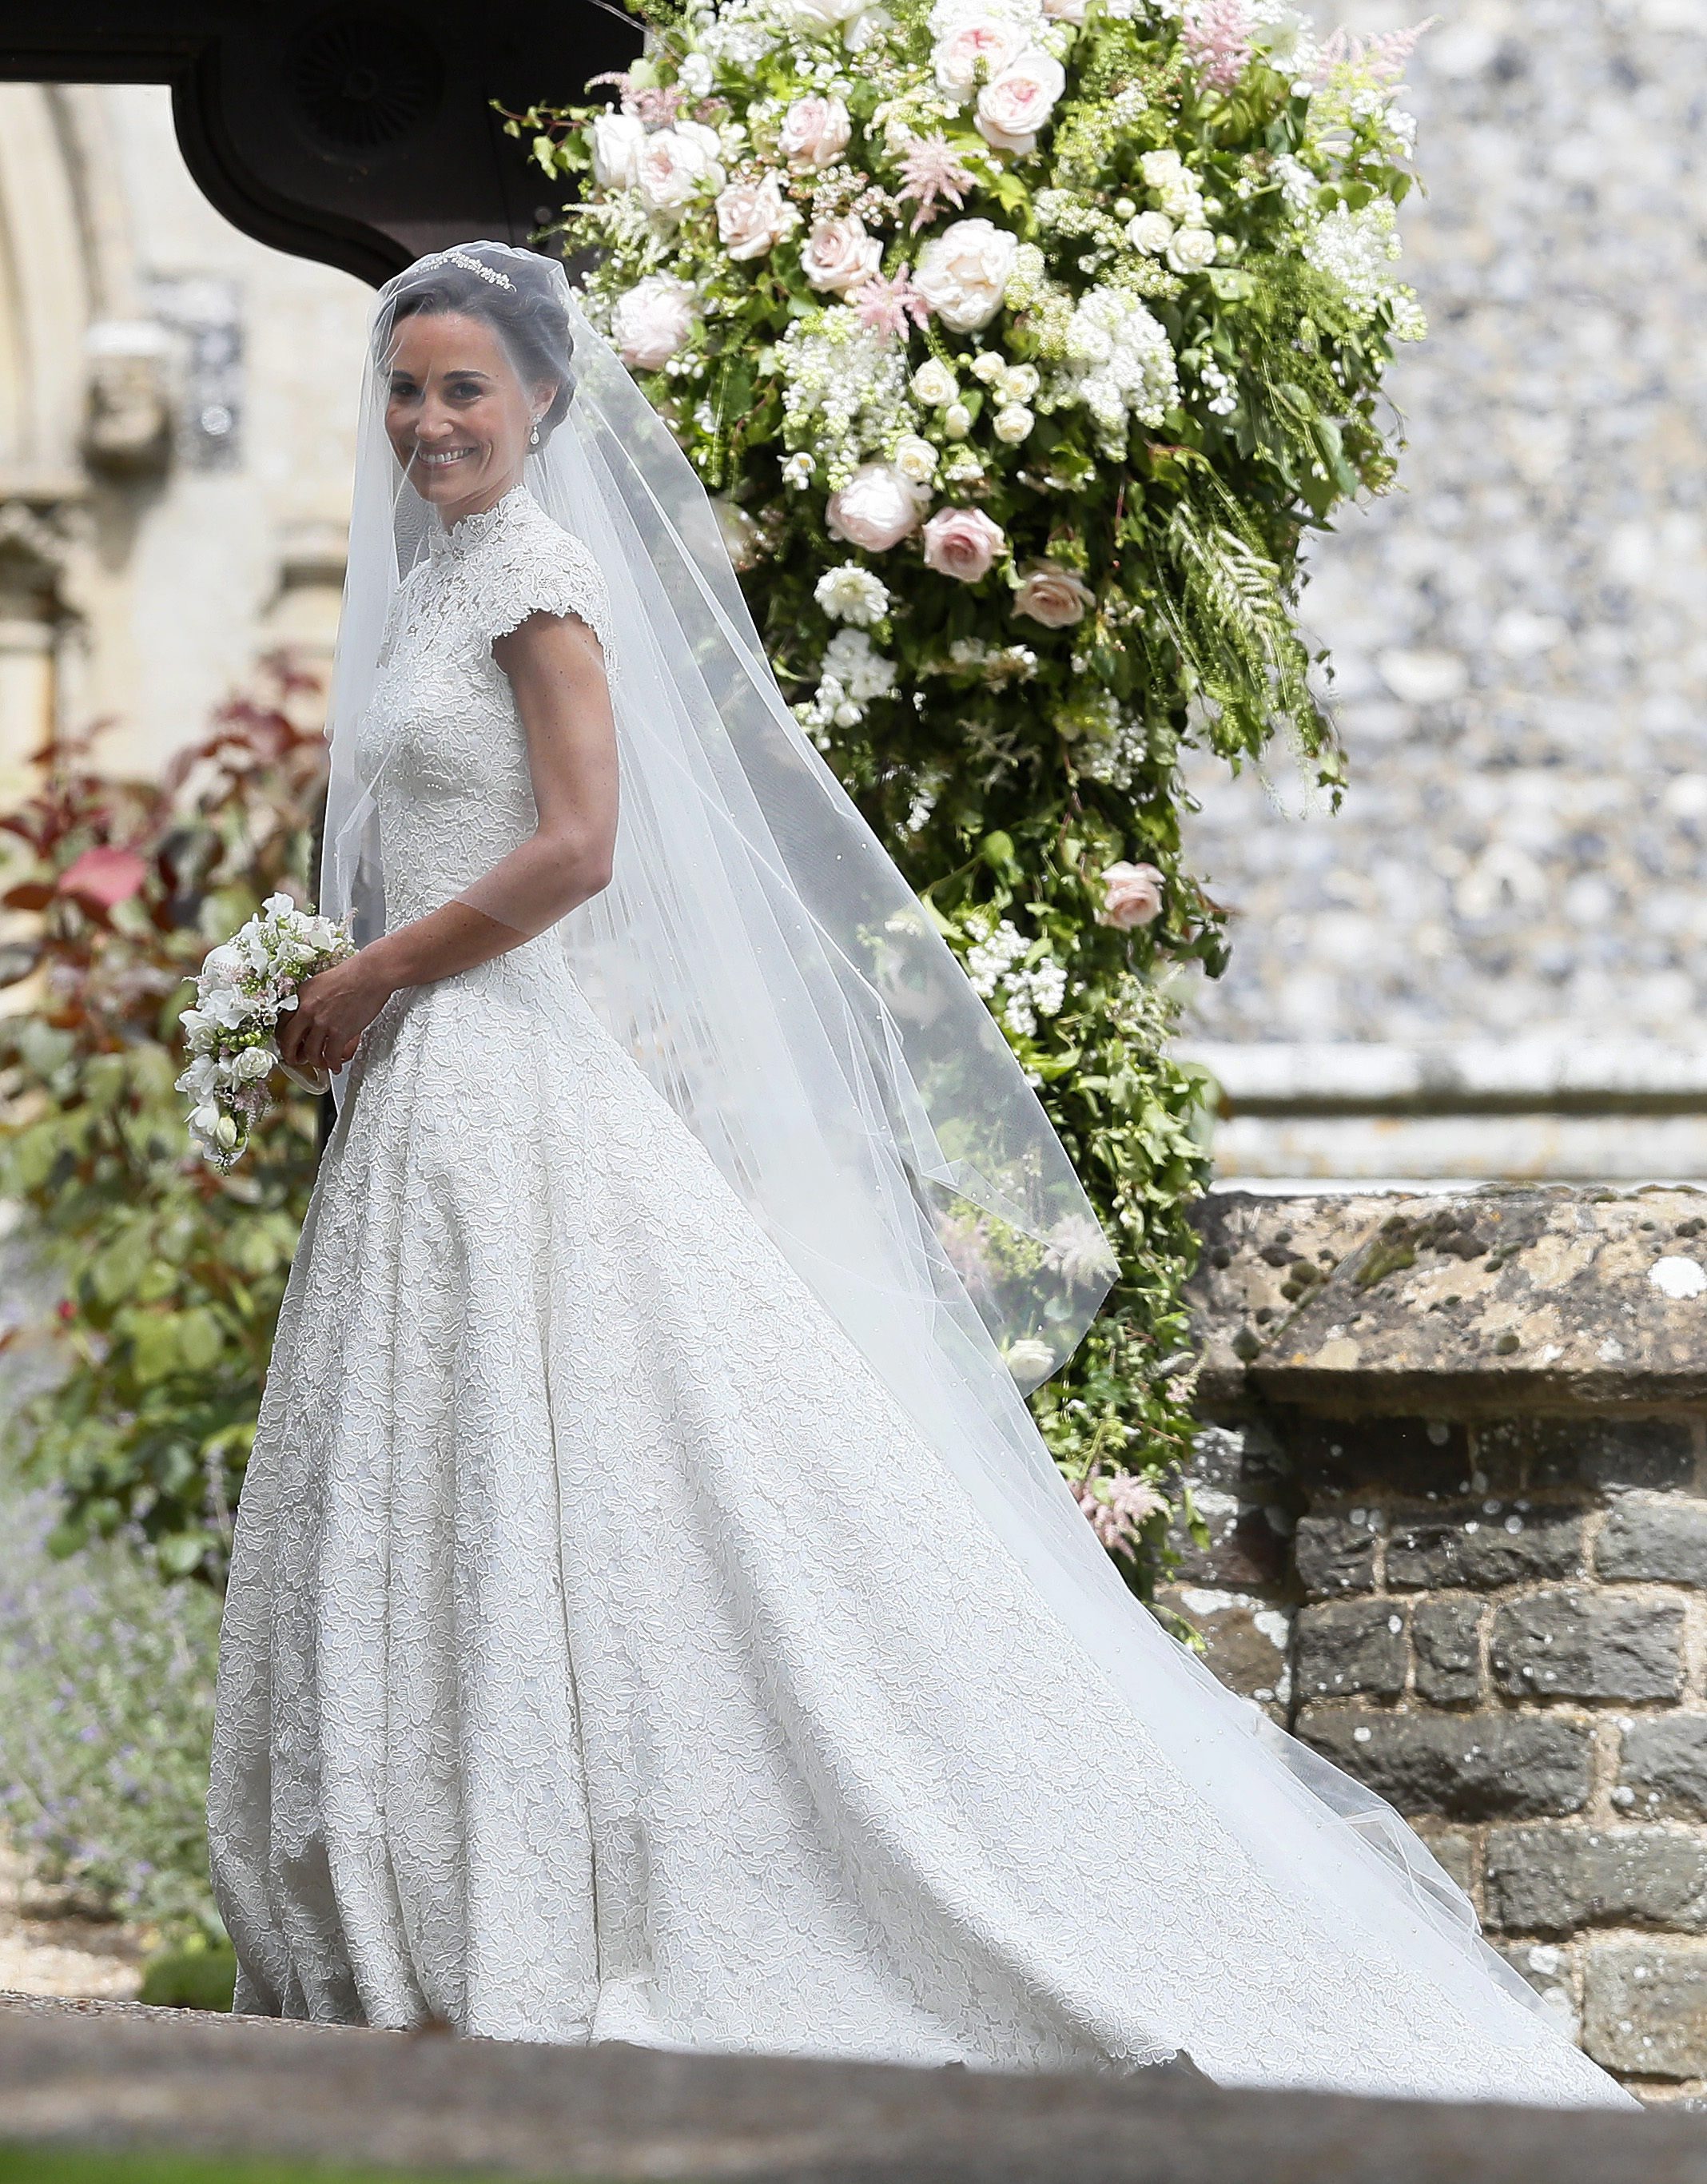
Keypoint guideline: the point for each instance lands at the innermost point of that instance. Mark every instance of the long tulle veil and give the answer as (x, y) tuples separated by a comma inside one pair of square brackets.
[(761, 957)]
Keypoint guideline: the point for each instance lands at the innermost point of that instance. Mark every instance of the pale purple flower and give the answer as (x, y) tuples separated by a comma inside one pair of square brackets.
[(930, 169)]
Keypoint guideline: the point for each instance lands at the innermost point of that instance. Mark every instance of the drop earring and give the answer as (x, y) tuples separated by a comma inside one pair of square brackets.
[(533, 437)]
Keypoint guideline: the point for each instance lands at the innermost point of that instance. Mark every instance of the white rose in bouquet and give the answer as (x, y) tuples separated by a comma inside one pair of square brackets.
[(962, 273), (1192, 250), (652, 322), (617, 140)]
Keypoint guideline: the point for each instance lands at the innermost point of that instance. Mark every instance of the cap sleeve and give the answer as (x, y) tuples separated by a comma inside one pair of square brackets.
[(540, 568)]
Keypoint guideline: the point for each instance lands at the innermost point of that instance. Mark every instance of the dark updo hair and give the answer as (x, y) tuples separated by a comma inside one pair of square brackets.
[(510, 292)]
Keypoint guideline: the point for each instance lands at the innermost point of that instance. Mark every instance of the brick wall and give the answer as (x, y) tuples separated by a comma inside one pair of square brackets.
[(1488, 1599)]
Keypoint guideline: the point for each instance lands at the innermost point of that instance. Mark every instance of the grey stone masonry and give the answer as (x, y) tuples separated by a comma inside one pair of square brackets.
[(1491, 1475)]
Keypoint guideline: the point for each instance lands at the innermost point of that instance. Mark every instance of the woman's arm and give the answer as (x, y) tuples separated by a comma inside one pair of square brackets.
[(557, 672)]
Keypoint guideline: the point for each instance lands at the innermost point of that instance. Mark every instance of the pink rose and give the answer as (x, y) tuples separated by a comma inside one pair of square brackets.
[(838, 255), (673, 163), (1013, 106), (1131, 895), (815, 132), (651, 323), (963, 542), (103, 877), (991, 45), (1052, 595), (876, 509), (962, 273), (752, 217)]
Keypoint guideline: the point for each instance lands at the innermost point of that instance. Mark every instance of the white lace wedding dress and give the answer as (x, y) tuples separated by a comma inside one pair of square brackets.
[(607, 1656)]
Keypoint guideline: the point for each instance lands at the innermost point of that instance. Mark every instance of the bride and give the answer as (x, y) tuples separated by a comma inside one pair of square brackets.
[(653, 1615)]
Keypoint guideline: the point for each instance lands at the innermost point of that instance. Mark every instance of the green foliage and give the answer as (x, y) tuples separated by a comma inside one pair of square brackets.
[(199, 1973), (1174, 380), (106, 1715), (170, 1275)]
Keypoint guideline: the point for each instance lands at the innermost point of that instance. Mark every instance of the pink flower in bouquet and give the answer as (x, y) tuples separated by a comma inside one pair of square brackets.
[(963, 272), (984, 43), (963, 542), (1118, 1513), (104, 876), (1016, 105), (932, 169), (815, 132), (876, 509), (838, 255), (1052, 595), (1217, 34), (886, 305), (1131, 895)]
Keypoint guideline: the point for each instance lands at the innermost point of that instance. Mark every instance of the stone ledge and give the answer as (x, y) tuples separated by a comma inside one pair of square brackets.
[(120, 2076), (1471, 1303)]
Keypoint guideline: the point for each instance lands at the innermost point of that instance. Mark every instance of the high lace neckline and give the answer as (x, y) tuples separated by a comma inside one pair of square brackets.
[(452, 540)]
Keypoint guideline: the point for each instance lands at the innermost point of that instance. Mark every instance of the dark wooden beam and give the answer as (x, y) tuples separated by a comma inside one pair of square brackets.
[(358, 133)]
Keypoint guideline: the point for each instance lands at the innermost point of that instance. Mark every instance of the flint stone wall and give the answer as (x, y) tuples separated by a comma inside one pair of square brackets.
[(1454, 1475)]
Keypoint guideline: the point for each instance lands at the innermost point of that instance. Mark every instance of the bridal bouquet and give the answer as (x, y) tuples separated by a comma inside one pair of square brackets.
[(245, 986)]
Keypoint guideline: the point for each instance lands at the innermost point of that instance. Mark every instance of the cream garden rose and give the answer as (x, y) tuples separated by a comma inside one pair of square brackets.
[(838, 255), (1192, 250), (963, 542), (962, 273), (876, 509), (815, 132), (1052, 595), (753, 218), (652, 321), (1013, 106), (673, 163), (986, 43)]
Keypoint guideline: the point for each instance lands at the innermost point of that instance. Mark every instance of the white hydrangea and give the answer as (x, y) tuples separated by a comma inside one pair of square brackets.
[(844, 389), (850, 593), (1357, 249), (1019, 995), (1119, 364)]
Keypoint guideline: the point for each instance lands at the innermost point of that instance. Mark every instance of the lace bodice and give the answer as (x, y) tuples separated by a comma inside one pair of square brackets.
[(442, 744)]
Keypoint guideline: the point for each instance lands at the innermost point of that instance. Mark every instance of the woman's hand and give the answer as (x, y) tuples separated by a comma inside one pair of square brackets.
[(333, 1009)]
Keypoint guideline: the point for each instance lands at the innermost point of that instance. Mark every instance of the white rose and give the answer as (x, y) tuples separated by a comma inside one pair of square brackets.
[(1192, 250), (934, 383), (1012, 421), (1161, 168), (1016, 105), (956, 420), (253, 1063), (985, 43), (838, 255), (1064, 11), (819, 17), (752, 217), (617, 139), (672, 165), (1151, 231), (1017, 384), (1029, 1359), (652, 322), (915, 460), (815, 132), (962, 273)]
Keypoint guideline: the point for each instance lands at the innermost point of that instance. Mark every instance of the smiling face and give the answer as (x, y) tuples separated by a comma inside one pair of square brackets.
[(456, 413)]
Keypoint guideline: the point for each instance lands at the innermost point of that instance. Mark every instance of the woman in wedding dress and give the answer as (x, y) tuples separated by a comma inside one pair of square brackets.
[(653, 1615)]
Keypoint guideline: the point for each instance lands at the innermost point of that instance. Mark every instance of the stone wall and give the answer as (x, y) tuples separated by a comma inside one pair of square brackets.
[(1456, 1486), (1520, 632)]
